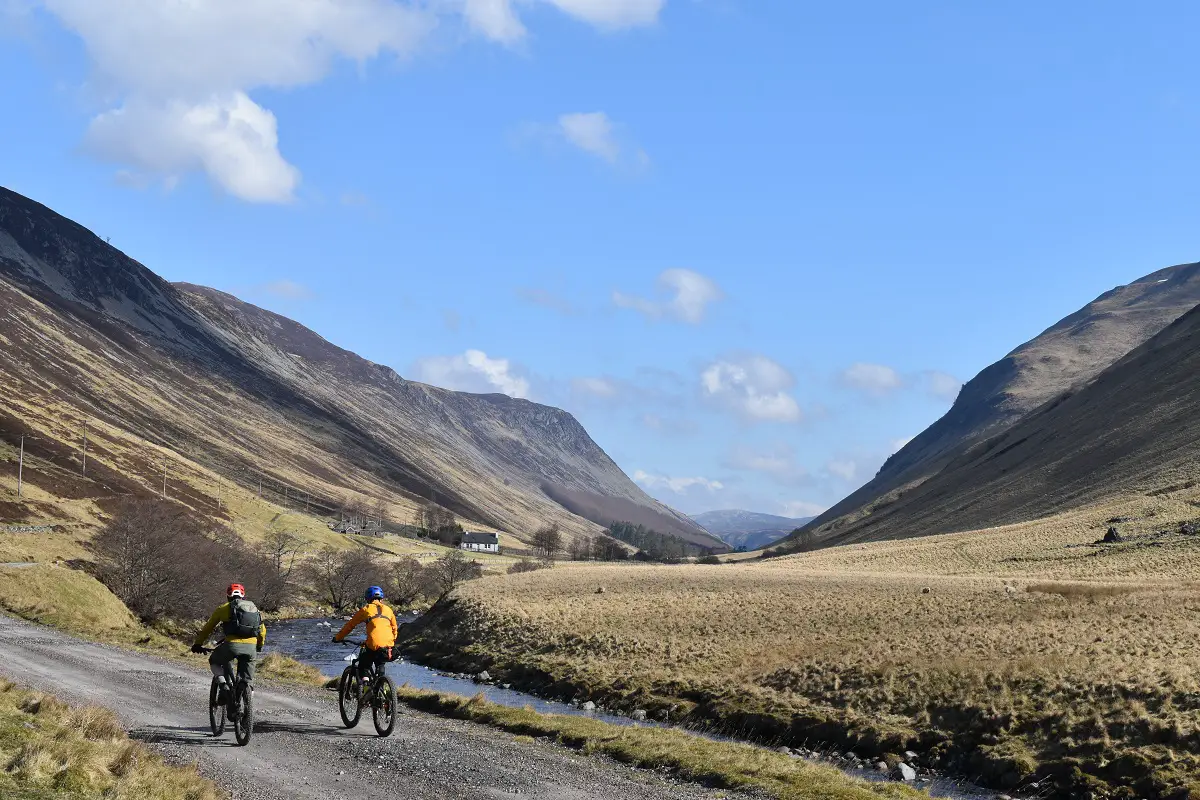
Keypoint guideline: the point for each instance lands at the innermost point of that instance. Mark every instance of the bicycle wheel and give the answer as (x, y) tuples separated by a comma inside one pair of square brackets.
[(383, 706), (349, 697), (243, 726), (216, 711)]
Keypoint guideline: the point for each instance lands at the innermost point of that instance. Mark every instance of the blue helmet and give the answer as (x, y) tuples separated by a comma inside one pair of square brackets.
[(374, 593)]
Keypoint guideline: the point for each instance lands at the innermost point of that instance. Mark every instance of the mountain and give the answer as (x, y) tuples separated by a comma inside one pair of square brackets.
[(194, 382), (1134, 429), (748, 529), (1062, 362)]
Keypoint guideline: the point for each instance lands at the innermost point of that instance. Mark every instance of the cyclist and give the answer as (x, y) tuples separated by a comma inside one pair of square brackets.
[(381, 627), (245, 634)]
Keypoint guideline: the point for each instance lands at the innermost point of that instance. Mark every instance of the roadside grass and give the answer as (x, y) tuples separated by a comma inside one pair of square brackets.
[(288, 670), (54, 751), (725, 765), (74, 602), (941, 646)]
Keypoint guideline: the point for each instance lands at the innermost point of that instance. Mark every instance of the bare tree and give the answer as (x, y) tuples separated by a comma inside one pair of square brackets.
[(581, 548), (451, 570), (280, 551), (339, 576), (548, 543), (408, 582)]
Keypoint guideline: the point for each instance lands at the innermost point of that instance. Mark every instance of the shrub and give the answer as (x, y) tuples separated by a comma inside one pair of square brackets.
[(524, 565)]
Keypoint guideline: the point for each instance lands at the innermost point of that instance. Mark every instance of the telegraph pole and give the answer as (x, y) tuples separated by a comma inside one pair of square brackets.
[(83, 452), (21, 467)]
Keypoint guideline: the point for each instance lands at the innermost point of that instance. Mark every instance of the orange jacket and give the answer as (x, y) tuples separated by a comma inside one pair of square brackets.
[(381, 625)]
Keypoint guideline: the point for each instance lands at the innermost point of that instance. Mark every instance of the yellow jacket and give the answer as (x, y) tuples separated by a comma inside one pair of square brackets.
[(221, 615), (381, 625)]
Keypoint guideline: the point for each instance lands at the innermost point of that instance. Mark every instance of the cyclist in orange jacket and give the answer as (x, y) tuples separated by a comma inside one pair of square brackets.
[(381, 626)]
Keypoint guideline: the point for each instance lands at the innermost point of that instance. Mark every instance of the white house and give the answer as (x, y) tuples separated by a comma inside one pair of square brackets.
[(480, 542)]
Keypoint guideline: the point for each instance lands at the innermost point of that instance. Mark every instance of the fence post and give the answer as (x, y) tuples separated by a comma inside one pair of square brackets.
[(21, 467)]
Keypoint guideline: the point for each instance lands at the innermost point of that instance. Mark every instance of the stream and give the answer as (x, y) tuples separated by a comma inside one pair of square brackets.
[(309, 641)]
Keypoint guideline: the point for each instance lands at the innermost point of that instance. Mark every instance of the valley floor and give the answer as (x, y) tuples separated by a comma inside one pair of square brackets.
[(1022, 655)]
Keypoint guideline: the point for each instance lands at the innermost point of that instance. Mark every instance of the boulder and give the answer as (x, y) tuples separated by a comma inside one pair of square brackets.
[(483, 677), (905, 773), (1111, 536), (639, 715), (588, 706), (881, 766), (600, 590)]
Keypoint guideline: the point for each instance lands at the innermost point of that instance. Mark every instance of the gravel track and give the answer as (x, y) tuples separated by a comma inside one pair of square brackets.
[(299, 748)]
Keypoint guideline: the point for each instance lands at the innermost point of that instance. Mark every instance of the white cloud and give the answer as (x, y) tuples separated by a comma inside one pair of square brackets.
[(231, 138), (592, 133), (843, 468), (942, 386), (473, 371), (874, 379), (898, 444), (288, 290), (179, 74), (752, 386), (498, 19), (800, 508), (675, 485), (684, 295)]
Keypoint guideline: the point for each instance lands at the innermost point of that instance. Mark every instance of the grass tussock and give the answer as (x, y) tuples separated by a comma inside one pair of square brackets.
[(51, 750), (722, 764)]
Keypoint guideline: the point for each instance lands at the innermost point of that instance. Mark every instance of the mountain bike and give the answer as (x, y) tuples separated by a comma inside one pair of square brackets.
[(233, 703), (374, 689)]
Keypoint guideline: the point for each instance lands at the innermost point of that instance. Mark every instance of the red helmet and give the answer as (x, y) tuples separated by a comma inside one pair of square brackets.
[(236, 590)]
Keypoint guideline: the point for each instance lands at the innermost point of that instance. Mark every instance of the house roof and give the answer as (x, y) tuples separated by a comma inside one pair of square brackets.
[(480, 538)]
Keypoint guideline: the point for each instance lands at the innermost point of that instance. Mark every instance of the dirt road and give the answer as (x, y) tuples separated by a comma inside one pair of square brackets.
[(299, 748)]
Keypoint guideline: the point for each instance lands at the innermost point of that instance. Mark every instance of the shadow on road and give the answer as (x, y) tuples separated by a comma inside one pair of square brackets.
[(201, 735)]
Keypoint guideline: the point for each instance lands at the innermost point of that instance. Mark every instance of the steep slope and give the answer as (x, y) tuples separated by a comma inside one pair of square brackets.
[(193, 382), (1135, 428), (1063, 358), (749, 529)]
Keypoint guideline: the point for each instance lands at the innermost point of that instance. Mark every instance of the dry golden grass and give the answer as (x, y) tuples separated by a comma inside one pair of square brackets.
[(51, 750), (75, 602), (991, 652)]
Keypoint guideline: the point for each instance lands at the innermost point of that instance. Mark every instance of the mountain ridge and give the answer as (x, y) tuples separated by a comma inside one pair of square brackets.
[(245, 390), (1060, 361)]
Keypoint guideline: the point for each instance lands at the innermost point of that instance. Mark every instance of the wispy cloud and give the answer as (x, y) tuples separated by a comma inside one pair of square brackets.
[(498, 19), (876, 380), (778, 463), (547, 299), (942, 386), (800, 508), (674, 484), (684, 295), (287, 290)]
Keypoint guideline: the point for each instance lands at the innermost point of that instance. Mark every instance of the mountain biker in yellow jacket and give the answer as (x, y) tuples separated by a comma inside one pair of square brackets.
[(240, 645), (381, 627)]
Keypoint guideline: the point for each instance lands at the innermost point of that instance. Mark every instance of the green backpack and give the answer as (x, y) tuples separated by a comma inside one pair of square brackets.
[(244, 619)]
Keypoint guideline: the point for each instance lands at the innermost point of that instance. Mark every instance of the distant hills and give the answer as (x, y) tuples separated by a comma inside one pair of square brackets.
[(196, 384), (1101, 402), (748, 529)]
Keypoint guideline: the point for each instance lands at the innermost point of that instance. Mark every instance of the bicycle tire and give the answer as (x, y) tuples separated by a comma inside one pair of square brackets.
[(349, 694), (243, 726), (216, 711), (383, 706)]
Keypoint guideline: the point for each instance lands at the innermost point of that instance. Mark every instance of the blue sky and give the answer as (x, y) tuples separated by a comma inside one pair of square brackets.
[(751, 245)]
